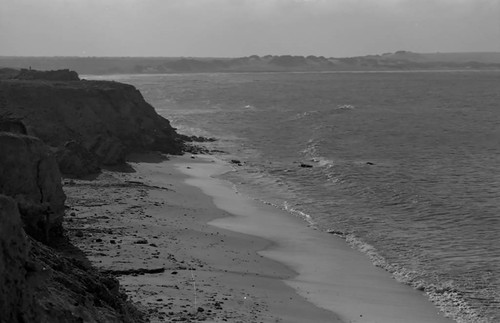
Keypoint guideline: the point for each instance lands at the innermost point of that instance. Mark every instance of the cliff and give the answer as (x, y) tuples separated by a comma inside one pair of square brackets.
[(39, 284), (80, 125), (90, 123), (29, 174)]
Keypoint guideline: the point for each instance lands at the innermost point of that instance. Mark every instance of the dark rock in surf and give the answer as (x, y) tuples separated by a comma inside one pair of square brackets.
[(337, 233), (305, 165)]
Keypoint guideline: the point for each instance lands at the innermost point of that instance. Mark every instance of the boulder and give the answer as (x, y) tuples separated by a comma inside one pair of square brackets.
[(29, 174)]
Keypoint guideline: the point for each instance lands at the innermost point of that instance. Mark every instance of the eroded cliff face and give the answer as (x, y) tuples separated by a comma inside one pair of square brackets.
[(107, 119), (40, 285), (30, 175)]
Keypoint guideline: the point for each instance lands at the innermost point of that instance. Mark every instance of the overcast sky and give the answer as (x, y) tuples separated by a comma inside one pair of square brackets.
[(228, 28)]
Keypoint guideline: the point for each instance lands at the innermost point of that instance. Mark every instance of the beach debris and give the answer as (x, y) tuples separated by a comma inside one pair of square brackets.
[(370, 163), (135, 272)]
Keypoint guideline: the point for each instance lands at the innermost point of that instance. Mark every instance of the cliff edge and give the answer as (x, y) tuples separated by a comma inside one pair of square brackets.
[(87, 123)]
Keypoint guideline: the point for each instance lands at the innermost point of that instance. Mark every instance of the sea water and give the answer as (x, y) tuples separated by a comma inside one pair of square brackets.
[(405, 165)]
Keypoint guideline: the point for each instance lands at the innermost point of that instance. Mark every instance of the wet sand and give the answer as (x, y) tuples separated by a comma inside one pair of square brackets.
[(186, 246)]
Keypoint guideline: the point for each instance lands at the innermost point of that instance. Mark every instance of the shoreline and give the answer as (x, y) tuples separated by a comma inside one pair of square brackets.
[(236, 259), (330, 274)]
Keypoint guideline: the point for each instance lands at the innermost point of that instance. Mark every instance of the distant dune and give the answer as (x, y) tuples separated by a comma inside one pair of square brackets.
[(400, 60)]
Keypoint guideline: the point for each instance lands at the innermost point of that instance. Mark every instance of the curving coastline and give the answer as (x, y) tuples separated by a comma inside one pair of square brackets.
[(154, 238), (53, 124)]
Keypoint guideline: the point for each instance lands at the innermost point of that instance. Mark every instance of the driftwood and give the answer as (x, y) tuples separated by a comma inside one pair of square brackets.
[(139, 271)]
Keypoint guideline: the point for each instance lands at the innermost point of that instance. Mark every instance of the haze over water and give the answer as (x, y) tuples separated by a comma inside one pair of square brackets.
[(405, 164)]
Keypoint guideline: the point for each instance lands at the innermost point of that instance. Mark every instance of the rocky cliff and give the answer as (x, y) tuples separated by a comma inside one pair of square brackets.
[(40, 285), (86, 124), (29, 174), (104, 121)]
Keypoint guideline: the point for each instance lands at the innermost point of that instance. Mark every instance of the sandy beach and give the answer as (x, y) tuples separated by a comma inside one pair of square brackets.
[(187, 247)]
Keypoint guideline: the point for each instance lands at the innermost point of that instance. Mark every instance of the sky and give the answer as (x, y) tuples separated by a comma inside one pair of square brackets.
[(234, 28)]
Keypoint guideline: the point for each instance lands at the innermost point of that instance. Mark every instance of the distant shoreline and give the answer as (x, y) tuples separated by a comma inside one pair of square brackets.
[(398, 61), (107, 76)]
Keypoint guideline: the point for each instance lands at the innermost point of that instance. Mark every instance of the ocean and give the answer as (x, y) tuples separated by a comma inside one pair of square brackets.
[(403, 165)]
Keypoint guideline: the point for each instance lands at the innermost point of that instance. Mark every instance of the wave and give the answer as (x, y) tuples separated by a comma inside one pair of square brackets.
[(443, 294), (345, 107), (309, 219), (303, 115)]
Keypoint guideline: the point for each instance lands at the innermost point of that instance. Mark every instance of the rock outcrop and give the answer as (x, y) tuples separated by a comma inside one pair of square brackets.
[(29, 174), (107, 119)]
